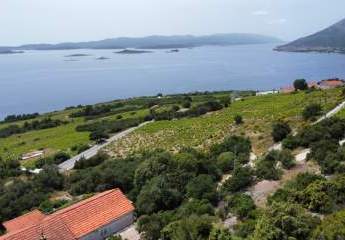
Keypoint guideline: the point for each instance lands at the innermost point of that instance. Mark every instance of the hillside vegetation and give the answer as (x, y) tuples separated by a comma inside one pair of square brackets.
[(258, 113), (203, 192)]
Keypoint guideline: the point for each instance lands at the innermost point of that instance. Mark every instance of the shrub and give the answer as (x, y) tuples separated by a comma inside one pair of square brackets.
[(235, 144), (92, 162), (287, 159), (285, 221), (290, 142), (226, 161), (311, 111), (202, 187), (186, 104), (266, 168), (240, 204), (238, 119), (332, 227), (280, 130), (241, 178)]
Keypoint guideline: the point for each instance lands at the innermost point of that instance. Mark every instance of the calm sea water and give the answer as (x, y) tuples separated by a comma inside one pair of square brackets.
[(41, 81)]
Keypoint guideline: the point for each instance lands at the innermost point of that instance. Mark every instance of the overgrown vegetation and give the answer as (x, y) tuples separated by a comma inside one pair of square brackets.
[(20, 117), (30, 126), (323, 140)]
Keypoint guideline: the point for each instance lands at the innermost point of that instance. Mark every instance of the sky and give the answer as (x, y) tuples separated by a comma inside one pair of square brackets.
[(53, 21)]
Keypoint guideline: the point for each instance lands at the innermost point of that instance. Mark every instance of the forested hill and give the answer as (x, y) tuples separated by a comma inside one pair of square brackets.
[(331, 39), (156, 42)]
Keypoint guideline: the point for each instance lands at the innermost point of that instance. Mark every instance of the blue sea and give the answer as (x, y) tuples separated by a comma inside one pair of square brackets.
[(42, 81)]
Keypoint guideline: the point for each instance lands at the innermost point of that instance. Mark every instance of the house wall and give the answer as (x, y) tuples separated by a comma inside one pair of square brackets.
[(111, 228)]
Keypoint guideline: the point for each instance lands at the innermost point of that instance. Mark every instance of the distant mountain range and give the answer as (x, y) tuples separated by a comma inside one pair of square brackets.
[(156, 42), (331, 39)]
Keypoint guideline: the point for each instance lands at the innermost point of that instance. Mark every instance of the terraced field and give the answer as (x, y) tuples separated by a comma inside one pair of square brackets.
[(258, 112)]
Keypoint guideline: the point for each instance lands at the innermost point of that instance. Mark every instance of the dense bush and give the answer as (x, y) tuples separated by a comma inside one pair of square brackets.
[(313, 192), (194, 111), (55, 159), (101, 129), (285, 221), (331, 228), (9, 168), (266, 168), (192, 227), (241, 177), (311, 111), (20, 196), (20, 117), (238, 119), (96, 160), (239, 204), (226, 161), (323, 140), (92, 110), (235, 144), (202, 187), (280, 130), (29, 126)]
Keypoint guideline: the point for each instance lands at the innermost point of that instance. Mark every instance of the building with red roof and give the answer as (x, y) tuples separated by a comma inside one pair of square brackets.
[(331, 83), (92, 219)]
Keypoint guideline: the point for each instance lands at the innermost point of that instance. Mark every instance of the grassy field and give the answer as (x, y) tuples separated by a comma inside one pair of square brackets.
[(258, 112), (51, 140)]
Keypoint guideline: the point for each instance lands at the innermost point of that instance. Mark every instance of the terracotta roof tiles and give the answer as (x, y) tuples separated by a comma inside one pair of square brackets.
[(72, 222)]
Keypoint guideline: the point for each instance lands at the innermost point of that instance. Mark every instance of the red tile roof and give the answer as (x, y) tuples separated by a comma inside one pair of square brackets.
[(52, 228), (77, 220), (26, 220), (101, 209), (332, 82)]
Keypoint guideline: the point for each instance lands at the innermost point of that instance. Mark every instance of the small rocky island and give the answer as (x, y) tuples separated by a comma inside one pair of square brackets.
[(78, 55), (132, 51), (102, 58)]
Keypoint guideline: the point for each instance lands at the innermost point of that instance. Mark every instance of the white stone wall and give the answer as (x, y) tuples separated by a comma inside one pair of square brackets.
[(111, 228)]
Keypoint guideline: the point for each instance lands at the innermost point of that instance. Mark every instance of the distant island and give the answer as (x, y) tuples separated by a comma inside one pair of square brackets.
[(132, 51), (329, 40), (78, 55), (10, 52), (173, 51), (102, 58), (156, 42)]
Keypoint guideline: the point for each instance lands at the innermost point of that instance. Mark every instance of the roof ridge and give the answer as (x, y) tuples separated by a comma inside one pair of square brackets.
[(83, 202)]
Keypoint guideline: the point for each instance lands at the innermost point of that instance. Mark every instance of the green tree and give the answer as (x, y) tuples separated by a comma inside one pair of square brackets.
[(220, 233), (266, 168), (331, 228), (49, 178), (158, 195), (300, 84), (284, 221), (287, 159), (226, 161), (241, 178), (202, 187), (190, 228), (240, 205)]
